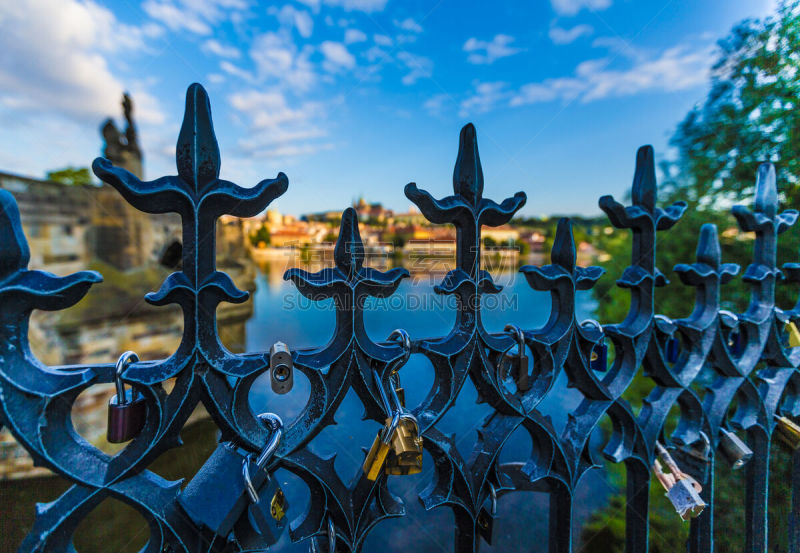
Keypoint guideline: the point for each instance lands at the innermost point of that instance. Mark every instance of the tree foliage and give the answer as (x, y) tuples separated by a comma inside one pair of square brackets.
[(749, 117), (70, 175)]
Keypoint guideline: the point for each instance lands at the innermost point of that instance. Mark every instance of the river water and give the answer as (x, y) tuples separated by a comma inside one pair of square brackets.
[(280, 313)]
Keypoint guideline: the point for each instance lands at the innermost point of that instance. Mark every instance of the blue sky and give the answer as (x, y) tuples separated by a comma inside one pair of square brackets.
[(359, 97)]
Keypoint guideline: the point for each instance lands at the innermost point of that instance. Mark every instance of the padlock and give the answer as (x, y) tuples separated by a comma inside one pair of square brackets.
[(598, 355), (485, 518), (127, 410), (331, 532), (265, 519), (281, 368), (220, 492), (793, 334), (397, 449), (376, 457), (405, 455), (787, 432), (683, 491), (519, 362), (672, 349), (733, 449)]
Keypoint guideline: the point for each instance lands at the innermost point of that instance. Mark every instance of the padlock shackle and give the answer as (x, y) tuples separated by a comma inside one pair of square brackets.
[(274, 440), (382, 393), (493, 494), (122, 363), (517, 334), (592, 322), (405, 342)]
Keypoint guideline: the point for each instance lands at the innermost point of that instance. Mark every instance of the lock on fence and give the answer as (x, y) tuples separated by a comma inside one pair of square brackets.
[(397, 449), (234, 492), (516, 364), (683, 491), (127, 409)]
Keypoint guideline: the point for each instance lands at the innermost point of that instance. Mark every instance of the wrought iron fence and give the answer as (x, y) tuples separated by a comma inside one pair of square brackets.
[(754, 366)]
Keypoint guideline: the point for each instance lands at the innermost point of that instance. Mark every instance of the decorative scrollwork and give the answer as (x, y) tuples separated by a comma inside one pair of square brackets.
[(759, 377)]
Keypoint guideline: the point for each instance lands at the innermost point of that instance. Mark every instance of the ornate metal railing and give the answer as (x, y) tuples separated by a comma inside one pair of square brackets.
[(755, 370)]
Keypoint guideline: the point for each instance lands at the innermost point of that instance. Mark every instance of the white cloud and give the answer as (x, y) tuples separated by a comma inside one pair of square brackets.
[(408, 24), (56, 59), (276, 129), (571, 7), (277, 56), (435, 104), (358, 5), (354, 35), (213, 46), (676, 68), (292, 17), (485, 98), (483, 52), (349, 5), (236, 71), (560, 35), (419, 67), (336, 56), (382, 40), (196, 16)]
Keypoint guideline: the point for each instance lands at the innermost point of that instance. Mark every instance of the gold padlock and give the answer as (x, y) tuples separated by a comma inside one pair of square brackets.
[(788, 432), (405, 456), (376, 458), (794, 334)]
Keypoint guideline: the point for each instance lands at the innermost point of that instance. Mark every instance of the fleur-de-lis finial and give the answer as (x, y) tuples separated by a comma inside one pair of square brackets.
[(467, 173), (197, 151), (349, 250)]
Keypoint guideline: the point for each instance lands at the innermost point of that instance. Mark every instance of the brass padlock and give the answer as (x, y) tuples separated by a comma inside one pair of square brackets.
[(683, 491), (519, 362), (787, 432), (733, 449), (405, 456), (280, 368), (397, 448), (376, 458)]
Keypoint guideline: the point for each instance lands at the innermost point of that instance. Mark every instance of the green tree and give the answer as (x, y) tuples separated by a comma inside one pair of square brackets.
[(70, 175), (748, 117), (260, 235)]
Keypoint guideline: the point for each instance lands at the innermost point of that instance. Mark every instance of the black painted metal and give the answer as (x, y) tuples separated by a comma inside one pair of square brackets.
[(758, 372)]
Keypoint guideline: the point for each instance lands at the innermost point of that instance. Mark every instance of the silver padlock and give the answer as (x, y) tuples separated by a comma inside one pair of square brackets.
[(733, 449), (281, 368), (683, 491)]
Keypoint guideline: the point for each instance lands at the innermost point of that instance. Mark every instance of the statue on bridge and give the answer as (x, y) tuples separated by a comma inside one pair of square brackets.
[(123, 150)]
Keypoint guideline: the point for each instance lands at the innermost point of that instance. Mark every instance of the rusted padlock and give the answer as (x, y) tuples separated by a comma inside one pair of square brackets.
[(126, 410), (683, 491)]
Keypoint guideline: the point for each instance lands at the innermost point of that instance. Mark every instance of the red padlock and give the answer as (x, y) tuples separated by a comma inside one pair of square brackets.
[(126, 410)]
